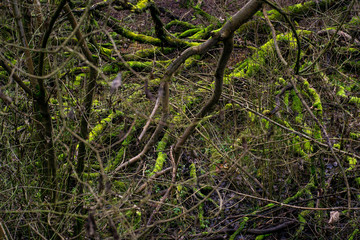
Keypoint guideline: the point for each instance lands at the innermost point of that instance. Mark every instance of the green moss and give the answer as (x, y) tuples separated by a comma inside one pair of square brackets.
[(134, 36), (162, 144), (265, 112), (243, 222), (355, 100), (282, 81), (181, 191), (341, 92), (299, 118), (310, 186), (336, 145), (189, 32), (120, 154), (141, 6), (355, 135), (308, 147), (20, 128), (91, 175), (302, 221), (191, 61), (297, 107), (161, 156), (203, 33), (110, 68), (133, 218), (140, 65), (79, 78), (261, 237), (317, 101), (159, 162), (3, 74), (353, 234), (231, 106), (265, 123), (249, 68), (355, 20), (119, 185), (251, 116), (317, 105), (352, 162), (180, 23), (286, 98), (201, 216), (106, 51), (298, 149), (317, 133), (148, 53), (100, 127), (357, 180), (348, 50), (193, 172)]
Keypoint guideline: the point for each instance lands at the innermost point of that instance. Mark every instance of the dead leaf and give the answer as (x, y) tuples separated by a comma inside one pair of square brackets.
[(334, 217), (116, 83)]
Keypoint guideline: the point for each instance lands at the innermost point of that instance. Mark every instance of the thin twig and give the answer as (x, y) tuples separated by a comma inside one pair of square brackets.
[(274, 37), (293, 29), (145, 149), (157, 104), (157, 174)]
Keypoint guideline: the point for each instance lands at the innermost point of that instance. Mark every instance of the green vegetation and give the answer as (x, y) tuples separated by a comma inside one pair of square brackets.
[(152, 119)]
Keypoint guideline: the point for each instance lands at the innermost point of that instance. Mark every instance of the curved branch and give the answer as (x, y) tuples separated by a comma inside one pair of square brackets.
[(15, 77), (47, 35), (297, 64), (273, 32), (226, 35), (219, 75), (233, 24)]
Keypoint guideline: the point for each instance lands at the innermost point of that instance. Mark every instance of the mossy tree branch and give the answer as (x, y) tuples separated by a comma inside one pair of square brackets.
[(219, 75), (226, 35)]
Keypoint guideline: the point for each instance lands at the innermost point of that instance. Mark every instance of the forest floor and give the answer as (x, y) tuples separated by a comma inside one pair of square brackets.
[(277, 157)]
